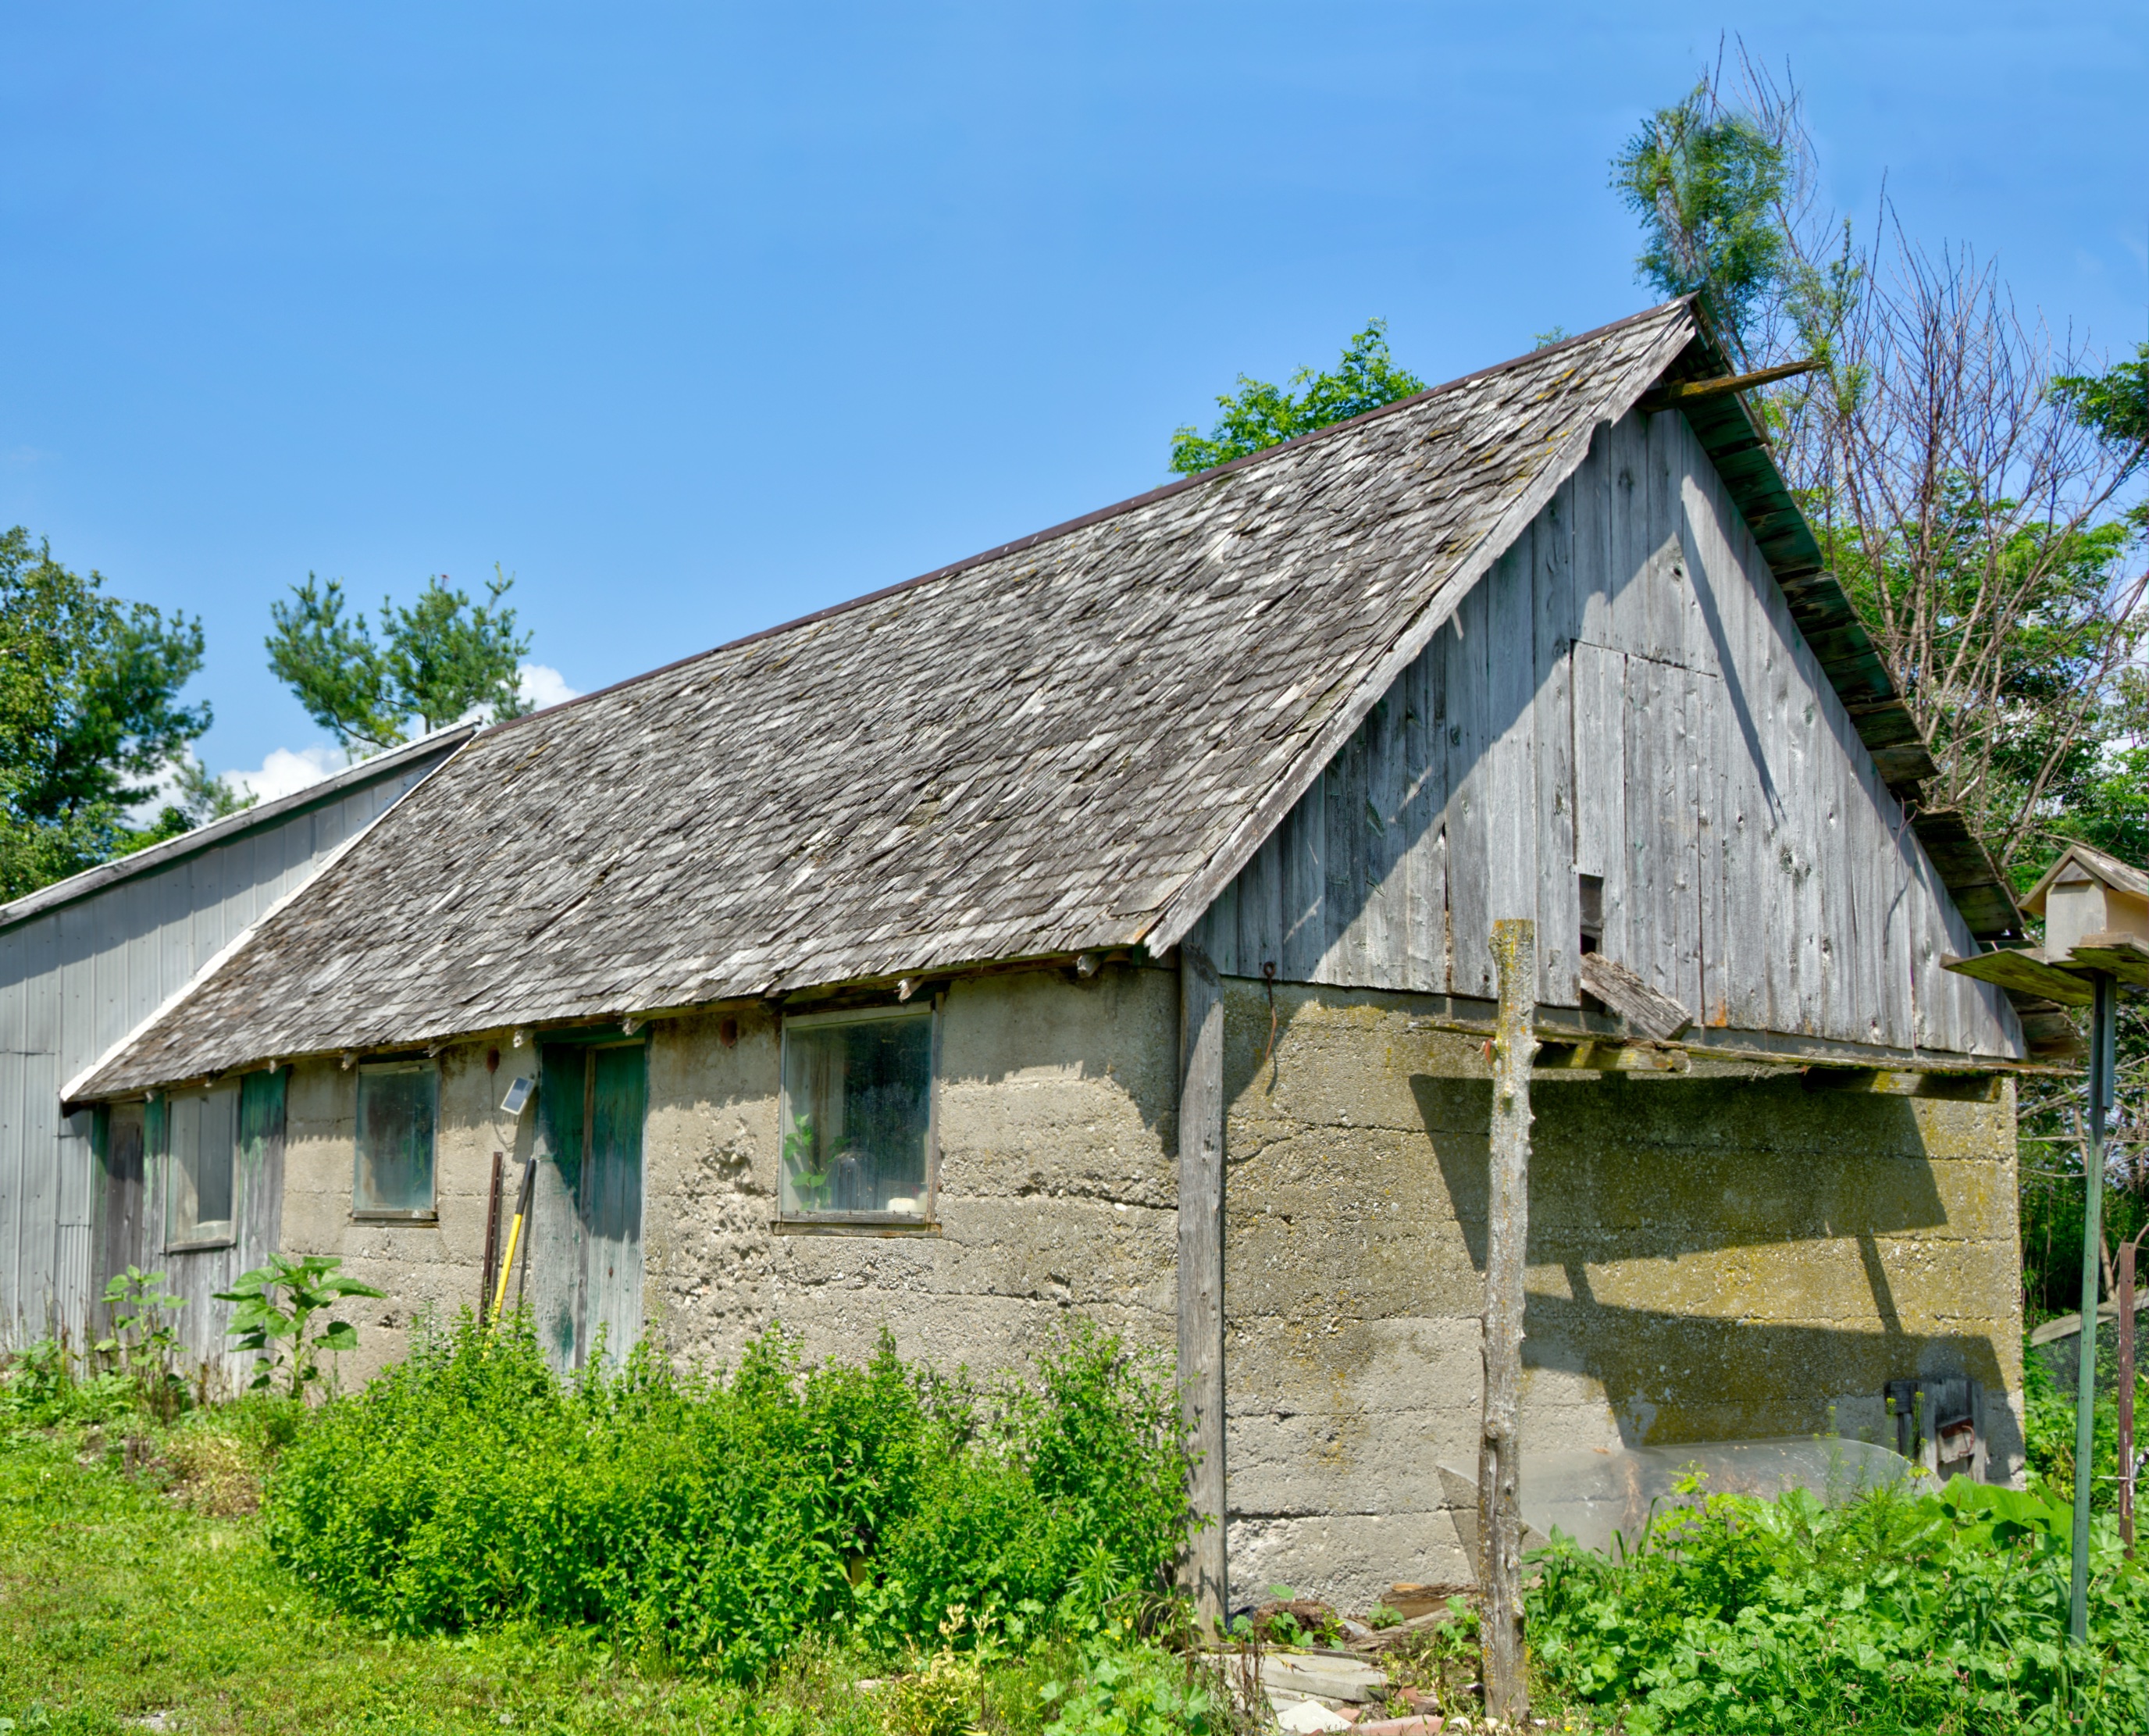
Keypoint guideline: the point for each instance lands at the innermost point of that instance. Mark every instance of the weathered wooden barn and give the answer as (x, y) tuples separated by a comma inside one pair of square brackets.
[(82, 964), (1099, 927)]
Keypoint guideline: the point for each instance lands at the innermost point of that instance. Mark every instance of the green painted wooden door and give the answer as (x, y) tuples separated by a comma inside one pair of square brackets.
[(585, 1237)]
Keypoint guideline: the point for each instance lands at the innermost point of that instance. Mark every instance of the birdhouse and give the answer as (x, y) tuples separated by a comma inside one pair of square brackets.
[(2088, 893)]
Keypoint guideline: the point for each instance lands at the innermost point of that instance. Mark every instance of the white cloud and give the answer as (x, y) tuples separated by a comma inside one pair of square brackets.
[(284, 770), (542, 685)]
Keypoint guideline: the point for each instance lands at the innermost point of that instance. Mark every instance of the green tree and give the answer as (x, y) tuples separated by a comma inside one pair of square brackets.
[(436, 661), (90, 717), (1260, 415), (1708, 183), (2113, 405)]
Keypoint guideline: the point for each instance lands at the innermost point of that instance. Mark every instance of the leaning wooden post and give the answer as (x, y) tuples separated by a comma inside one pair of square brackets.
[(1507, 1228), (2101, 1040), (1201, 1273)]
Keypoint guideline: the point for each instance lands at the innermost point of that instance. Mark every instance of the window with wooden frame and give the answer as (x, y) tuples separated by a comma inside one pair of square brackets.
[(859, 1138), (198, 1132), (398, 1106)]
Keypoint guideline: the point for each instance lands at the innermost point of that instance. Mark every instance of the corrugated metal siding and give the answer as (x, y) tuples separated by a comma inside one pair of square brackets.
[(75, 979), (1624, 695)]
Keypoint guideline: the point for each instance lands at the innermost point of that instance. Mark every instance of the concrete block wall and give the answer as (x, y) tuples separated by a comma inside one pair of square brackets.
[(433, 1266), (1057, 1189), (1056, 1193), (1719, 1254)]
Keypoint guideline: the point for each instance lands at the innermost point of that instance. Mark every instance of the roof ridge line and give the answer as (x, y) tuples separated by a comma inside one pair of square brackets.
[(1098, 515)]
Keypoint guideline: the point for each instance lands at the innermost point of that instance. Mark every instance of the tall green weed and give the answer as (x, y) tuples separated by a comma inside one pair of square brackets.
[(1941, 1612), (720, 1517)]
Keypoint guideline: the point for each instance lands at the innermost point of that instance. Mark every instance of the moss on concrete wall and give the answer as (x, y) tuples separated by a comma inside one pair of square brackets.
[(1716, 1254)]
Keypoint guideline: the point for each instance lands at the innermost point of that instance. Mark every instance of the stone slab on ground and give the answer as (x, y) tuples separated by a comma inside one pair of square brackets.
[(1303, 1675)]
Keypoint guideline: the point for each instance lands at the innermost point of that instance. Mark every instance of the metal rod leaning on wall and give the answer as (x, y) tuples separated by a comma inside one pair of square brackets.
[(491, 1238), (1507, 1227), (2102, 1034)]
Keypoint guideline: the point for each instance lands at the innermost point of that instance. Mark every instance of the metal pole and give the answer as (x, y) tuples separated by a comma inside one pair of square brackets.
[(2102, 1039), (1507, 1229), (2126, 1394)]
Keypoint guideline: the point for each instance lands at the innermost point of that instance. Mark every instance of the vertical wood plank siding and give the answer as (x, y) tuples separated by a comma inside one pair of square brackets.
[(74, 978), (1624, 696)]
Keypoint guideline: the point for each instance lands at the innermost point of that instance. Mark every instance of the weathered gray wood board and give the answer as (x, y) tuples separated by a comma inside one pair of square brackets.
[(1201, 1181), (84, 962), (1624, 696)]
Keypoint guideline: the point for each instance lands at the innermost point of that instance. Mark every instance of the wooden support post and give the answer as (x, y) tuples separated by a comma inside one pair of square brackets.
[(1507, 1228), (2101, 1038), (1201, 1273)]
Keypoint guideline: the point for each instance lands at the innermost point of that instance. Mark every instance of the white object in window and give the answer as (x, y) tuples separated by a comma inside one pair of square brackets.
[(201, 1141), (398, 1105), (856, 1114)]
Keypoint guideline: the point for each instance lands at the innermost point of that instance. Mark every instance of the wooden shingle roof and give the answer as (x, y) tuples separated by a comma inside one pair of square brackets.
[(1061, 745)]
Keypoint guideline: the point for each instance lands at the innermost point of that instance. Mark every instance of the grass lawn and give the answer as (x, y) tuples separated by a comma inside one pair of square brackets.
[(118, 1604)]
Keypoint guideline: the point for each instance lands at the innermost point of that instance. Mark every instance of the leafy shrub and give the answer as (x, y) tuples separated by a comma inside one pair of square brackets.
[(1128, 1689), (42, 1386), (2048, 1430), (722, 1517), (1038, 1510), (276, 1301), (1899, 1611), (942, 1699)]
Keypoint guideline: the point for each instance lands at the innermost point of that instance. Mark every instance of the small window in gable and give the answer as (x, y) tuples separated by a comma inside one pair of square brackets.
[(398, 1104), (200, 1139), (857, 1117)]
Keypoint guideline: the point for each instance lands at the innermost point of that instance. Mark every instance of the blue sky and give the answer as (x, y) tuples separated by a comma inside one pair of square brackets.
[(698, 318)]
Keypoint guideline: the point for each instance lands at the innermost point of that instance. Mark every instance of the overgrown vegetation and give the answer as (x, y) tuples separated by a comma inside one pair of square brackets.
[(720, 1519), (1939, 1611), (1014, 1540)]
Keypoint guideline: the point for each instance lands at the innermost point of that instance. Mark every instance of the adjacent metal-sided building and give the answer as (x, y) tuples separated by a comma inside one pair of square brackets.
[(82, 963), (1098, 927)]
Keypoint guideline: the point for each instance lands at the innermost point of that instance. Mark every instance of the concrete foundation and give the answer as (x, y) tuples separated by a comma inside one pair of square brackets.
[(1715, 1255), (1718, 1255)]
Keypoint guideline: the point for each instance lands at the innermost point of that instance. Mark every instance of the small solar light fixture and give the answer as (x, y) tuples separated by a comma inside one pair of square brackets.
[(518, 1095)]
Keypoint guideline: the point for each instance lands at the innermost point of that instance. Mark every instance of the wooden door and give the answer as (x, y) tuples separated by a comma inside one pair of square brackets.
[(120, 1200), (584, 1273)]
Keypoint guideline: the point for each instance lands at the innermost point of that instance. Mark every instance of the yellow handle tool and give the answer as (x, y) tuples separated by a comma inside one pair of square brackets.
[(514, 1236)]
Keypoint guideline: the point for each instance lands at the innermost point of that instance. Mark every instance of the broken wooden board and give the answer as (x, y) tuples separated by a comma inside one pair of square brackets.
[(2023, 968), (1654, 1015)]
